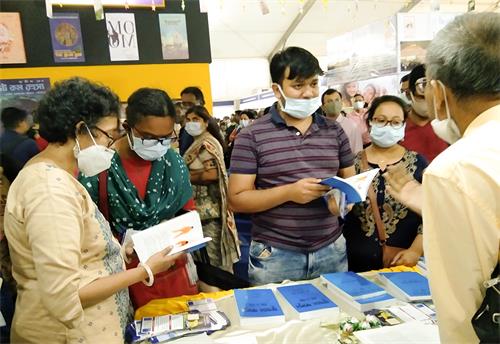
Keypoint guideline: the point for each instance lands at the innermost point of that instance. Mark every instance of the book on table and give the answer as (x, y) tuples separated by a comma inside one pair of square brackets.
[(357, 291), (355, 188), (184, 233), (308, 301), (258, 307), (408, 285)]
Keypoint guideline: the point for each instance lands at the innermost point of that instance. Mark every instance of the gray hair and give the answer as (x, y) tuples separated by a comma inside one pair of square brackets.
[(465, 55)]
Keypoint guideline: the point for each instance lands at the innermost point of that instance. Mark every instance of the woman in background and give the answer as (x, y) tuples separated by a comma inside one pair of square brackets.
[(205, 160)]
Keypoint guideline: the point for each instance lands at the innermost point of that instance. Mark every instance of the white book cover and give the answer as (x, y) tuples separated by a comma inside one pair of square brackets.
[(122, 37), (184, 233), (355, 187)]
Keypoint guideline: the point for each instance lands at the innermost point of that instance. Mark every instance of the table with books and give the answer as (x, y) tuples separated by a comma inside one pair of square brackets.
[(343, 306)]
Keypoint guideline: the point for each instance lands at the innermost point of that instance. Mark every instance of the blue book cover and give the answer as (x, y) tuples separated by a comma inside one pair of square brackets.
[(411, 283), (379, 298), (306, 297), (354, 285), (257, 303)]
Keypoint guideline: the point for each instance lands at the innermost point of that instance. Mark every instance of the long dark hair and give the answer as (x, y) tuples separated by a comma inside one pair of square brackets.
[(213, 127)]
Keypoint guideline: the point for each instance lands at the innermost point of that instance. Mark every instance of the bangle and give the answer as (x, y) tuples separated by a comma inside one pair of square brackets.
[(151, 278)]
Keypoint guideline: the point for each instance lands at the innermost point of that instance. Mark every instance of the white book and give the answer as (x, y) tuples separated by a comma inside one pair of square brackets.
[(355, 187), (184, 233), (414, 332)]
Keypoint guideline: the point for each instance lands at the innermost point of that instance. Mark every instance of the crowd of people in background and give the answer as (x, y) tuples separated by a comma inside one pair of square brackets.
[(80, 178)]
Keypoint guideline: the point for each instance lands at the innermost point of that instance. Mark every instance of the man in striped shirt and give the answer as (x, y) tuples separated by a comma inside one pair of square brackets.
[(276, 166)]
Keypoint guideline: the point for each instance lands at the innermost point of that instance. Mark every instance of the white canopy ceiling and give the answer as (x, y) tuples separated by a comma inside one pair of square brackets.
[(240, 29)]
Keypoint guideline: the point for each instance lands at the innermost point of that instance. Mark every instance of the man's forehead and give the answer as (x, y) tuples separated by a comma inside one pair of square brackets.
[(299, 79)]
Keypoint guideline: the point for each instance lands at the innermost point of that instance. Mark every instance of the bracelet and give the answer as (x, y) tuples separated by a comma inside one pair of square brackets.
[(151, 278)]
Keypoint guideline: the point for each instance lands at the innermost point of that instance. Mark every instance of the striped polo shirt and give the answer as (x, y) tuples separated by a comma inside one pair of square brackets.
[(279, 154)]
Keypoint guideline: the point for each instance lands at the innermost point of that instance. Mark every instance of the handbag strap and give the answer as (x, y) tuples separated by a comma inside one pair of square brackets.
[(103, 194), (382, 236)]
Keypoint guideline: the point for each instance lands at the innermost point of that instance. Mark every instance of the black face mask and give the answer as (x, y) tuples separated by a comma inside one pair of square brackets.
[(32, 132)]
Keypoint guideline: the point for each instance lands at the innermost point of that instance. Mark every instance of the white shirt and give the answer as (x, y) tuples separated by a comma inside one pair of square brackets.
[(353, 133), (461, 217)]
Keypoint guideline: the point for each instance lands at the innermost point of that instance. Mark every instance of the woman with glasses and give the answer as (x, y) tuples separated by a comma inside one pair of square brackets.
[(71, 278), (205, 160), (147, 182), (395, 239)]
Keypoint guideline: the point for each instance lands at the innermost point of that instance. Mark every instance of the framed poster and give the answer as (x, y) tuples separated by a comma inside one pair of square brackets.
[(122, 37), (66, 35), (11, 38), (174, 39), (23, 93)]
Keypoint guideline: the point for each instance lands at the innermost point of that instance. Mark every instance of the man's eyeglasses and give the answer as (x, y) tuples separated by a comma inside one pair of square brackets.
[(150, 142), (382, 122), (420, 85), (112, 138)]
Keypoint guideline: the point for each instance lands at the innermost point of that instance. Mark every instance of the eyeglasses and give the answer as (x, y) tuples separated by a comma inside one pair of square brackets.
[(112, 139), (381, 122), (150, 142), (420, 85)]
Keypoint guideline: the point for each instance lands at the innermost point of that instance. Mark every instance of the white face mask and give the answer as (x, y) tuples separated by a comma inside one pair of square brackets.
[(447, 129), (359, 105), (194, 128), (244, 123), (386, 136), (419, 106), (299, 108), (94, 159), (146, 152)]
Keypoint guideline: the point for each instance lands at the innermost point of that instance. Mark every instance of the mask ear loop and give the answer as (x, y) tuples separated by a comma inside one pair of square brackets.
[(283, 95), (445, 100), (91, 136)]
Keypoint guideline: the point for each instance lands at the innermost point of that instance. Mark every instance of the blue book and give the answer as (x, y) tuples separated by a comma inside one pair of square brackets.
[(307, 301), (352, 286), (258, 306), (409, 286)]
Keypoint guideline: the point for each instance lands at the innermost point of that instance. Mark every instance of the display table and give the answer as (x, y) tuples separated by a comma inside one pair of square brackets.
[(323, 330)]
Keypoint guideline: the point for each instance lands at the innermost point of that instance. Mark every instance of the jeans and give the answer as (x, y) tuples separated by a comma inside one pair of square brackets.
[(268, 264)]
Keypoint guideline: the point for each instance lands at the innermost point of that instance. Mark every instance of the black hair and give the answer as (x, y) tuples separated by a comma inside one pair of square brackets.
[(266, 110), (416, 73), (406, 77), (12, 117), (252, 114), (328, 92), (196, 92), (213, 127), (358, 95), (71, 101), (385, 99), (301, 62), (149, 102)]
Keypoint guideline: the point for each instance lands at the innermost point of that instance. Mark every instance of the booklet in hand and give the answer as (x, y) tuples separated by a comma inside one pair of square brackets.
[(184, 233), (355, 187)]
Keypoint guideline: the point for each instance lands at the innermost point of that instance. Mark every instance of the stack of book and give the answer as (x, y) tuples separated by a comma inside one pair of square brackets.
[(407, 286), (357, 291), (258, 307), (308, 302)]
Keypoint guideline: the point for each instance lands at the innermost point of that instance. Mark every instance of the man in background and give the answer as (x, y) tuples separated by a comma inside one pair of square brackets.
[(419, 136), (15, 146), (331, 101)]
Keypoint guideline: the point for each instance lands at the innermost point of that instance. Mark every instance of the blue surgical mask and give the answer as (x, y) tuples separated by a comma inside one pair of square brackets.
[(299, 108), (386, 136), (146, 152)]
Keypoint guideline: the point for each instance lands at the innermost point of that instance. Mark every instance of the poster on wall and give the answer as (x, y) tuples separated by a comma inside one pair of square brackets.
[(66, 35), (367, 52), (11, 39), (122, 37), (23, 93), (412, 54), (174, 40)]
